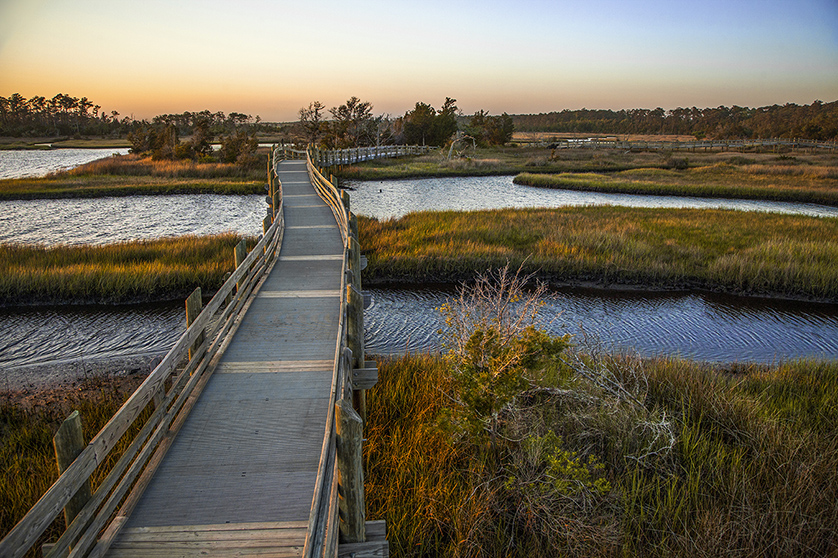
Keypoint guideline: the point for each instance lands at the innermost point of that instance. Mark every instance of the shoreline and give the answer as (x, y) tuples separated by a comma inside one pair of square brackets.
[(50, 384), (601, 288)]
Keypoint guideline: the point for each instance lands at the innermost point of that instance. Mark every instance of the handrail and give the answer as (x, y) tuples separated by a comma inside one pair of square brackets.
[(149, 445), (321, 536)]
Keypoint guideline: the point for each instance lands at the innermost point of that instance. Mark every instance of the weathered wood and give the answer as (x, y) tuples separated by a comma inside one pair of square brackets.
[(364, 378), (69, 443), (193, 308), (351, 472), (240, 253), (355, 324)]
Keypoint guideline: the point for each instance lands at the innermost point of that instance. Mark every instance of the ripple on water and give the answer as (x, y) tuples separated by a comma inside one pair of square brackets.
[(115, 219), (697, 326)]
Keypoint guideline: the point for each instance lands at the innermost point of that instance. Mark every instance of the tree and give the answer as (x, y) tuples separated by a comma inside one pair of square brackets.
[(311, 121), (353, 124), (426, 126), (490, 130)]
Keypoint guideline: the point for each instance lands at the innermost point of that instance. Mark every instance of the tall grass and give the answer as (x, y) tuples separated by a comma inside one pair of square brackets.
[(129, 175), (26, 451), (733, 251), (800, 184), (134, 165), (702, 463), (163, 269)]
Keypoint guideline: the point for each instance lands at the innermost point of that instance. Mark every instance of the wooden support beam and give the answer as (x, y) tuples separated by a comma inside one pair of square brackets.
[(69, 443), (350, 473), (364, 378), (376, 545)]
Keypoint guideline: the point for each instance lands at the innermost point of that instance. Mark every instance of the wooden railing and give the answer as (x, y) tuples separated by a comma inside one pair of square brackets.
[(351, 375), (185, 374)]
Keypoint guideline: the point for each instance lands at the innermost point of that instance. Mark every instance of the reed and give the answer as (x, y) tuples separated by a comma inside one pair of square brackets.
[(129, 175), (139, 271), (790, 184), (689, 461), (26, 431), (732, 251)]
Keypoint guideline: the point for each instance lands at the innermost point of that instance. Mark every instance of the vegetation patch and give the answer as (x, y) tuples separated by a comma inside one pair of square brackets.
[(516, 444), (126, 272), (27, 425), (730, 251), (808, 184)]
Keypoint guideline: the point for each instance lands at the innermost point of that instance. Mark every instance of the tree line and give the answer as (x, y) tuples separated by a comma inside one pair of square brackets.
[(818, 121), (353, 124), (65, 115)]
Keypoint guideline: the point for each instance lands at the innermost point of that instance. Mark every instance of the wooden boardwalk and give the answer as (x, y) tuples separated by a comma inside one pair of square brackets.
[(239, 477)]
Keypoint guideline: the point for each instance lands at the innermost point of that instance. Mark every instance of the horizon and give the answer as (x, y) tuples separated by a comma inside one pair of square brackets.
[(541, 57)]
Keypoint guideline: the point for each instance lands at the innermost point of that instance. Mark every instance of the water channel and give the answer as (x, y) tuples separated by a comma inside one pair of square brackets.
[(22, 163), (693, 325)]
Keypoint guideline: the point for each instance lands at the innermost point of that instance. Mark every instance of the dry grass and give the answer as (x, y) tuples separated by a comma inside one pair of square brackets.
[(693, 462), (163, 269), (740, 252), (129, 175), (26, 451)]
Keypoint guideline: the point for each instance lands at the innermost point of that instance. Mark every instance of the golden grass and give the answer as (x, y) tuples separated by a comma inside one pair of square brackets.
[(127, 175), (740, 252), (163, 269), (749, 470)]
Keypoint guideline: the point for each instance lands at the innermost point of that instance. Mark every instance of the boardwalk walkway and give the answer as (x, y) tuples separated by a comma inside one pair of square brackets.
[(239, 478)]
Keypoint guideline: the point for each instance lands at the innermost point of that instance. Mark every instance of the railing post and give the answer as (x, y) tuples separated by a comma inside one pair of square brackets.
[(240, 253), (350, 472), (193, 308), (69, 443)]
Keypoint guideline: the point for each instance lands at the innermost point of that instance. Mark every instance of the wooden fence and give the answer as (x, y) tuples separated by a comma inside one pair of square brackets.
[(169, 392), (330, 157)]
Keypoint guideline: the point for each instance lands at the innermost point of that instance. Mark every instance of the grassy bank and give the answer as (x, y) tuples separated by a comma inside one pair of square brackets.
[(729, 251), (498, 161), (27, 425), (687, 461), (778, 182), (164, 269), (129, 175), (763, 173)]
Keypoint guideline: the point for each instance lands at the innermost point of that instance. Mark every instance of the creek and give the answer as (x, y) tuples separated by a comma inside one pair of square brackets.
[(38, 345)]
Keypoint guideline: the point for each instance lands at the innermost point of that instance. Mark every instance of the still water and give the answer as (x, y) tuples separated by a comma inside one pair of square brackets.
[(39, 162), (385, 199)]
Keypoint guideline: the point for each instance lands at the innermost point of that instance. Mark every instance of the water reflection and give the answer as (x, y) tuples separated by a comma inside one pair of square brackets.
[(698, 326), (385, 199)]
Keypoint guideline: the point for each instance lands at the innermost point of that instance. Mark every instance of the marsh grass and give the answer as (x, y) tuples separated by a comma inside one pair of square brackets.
[(811, 183), (731, 251), (26, 450), (694, 461), (127, 175), (139, 271), (497, 161)]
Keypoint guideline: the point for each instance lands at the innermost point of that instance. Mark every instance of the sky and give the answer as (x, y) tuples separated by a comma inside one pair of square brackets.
[(272, 57)]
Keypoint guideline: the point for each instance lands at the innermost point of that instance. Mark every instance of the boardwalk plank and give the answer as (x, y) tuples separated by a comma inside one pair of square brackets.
[(247, 455)]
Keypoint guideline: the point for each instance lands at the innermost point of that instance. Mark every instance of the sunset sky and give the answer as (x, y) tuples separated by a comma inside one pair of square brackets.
[(271, 57)]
